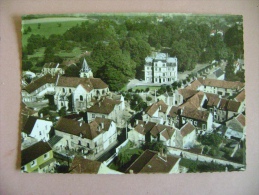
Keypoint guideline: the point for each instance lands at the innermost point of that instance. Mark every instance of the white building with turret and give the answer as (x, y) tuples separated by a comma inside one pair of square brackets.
[(160, 68)]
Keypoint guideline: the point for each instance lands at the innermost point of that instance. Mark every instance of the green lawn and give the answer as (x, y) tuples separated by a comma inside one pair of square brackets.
[(48, 28)]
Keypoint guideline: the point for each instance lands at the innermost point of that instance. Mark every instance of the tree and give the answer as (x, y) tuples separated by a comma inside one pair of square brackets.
[(156, 146), (234, 40), (44, 111), (213, 139), (26, 65), (62, 111)]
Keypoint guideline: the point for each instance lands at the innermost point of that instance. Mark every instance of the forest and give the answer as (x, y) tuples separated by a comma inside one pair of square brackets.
[(119, 44)]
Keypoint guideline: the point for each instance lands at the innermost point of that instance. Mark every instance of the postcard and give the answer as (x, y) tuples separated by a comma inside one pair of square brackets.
[(110, 93)]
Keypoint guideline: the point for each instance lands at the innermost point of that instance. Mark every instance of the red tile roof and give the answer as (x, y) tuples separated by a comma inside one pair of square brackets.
[(164, 130), (213, 99), (105, 106), (161, 106), (173, 112), (187, 129), (187, 93), (81, 165), (194, 85), (150, 162), (241, 118), (233, 106), (221, 83), (241, 96), (195, 114)]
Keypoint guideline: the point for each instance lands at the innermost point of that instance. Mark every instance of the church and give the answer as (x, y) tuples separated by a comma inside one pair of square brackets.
[(74, 93)]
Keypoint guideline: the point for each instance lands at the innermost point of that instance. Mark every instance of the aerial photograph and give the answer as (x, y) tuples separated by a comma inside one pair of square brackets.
[(132, 93)]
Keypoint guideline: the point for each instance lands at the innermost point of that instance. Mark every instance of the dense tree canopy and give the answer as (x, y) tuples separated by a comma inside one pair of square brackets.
[(119, 45)]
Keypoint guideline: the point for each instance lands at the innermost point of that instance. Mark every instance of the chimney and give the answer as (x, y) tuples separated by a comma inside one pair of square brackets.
[(41, 115), (131, 171), (160, 107), (102, 125), (99, 128), (99, 103), (136, 122), (80, 124)]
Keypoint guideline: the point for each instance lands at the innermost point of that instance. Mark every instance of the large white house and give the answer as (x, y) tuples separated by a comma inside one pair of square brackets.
[(160, 68)]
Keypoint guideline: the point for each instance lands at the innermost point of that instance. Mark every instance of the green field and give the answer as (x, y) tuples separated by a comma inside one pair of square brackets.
[(48, 28)]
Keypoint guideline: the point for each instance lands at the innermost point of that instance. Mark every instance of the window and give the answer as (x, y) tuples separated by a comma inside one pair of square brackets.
[(46, 156), (88, 145), (195, 123), (95, 144), (39, 132), (33, 163), (93, 115), (62, 104), (70, 91), (103, 116), (81, 98), (63, 90), (203, 126)]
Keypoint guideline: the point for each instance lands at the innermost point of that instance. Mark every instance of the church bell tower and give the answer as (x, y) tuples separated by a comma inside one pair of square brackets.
[(86, 72)]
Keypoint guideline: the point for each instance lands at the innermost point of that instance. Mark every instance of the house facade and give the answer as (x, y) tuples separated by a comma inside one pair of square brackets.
[(160, 68), (200, 119), (92, 137), (150, 131), (38, 88), (157, 113), (186, 136), (38, 158), (77, 93), (37, 128), (107, 108)]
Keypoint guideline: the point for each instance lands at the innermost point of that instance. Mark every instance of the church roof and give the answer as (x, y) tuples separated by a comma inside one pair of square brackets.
[(85, 67), (88, 83)]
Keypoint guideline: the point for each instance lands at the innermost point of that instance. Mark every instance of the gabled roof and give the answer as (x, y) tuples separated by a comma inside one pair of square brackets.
[(195, 114), (33, 152), (150, 162), (187, 93), (161, 106), (241, 119), (173, 112), (221, 83), (195, 101), (88, 83), (164, 130), (29, 124), (143, 128), (241, 96), (40, 82), (194, 85), (187, 129), (81, 165), (233, 106), (213, 99), (223, 104), (88, 131), (105, 106)]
